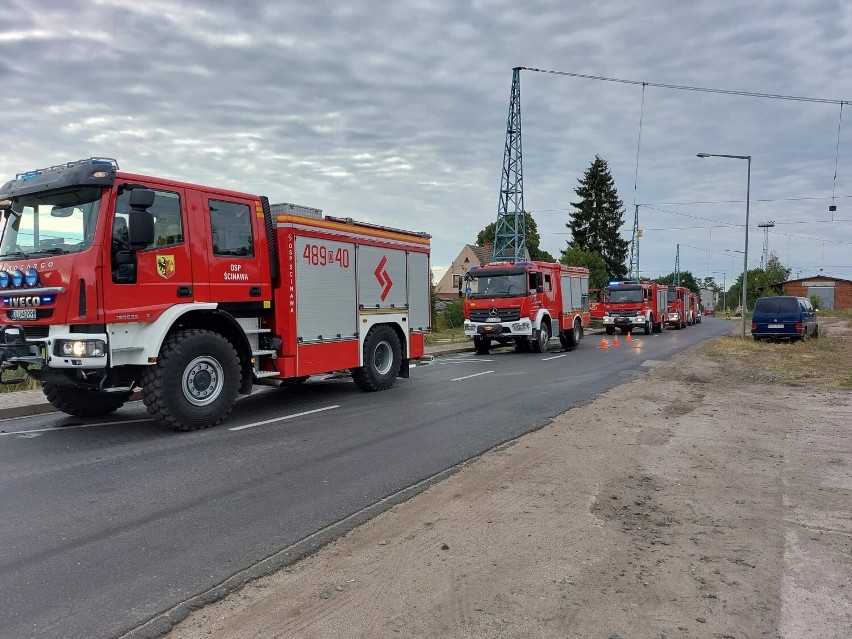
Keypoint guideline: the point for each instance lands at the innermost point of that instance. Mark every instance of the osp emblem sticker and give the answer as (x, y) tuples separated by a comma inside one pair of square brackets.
[(383, 277), (166, 266)]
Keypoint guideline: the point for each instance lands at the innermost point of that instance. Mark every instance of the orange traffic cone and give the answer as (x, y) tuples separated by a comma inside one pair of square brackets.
[(615, 341), (629, 337), (603, 343)]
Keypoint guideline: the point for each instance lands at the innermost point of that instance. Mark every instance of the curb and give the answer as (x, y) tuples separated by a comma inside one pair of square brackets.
[(41, 408)]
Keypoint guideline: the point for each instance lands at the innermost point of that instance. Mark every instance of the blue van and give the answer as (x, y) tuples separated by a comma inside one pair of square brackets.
[(783, 317)]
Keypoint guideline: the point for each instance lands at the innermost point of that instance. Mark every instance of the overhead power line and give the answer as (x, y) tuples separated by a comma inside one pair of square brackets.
[(681, 87)]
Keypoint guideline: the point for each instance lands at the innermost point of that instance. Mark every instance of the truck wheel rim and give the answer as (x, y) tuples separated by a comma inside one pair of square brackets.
[(383, 358), (202, 381), (576, 332)]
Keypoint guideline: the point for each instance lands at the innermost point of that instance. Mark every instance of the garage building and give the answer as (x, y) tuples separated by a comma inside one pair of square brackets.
[(833, 291)]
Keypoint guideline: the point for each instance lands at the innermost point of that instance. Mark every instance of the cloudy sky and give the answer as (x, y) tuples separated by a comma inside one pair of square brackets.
[(395, 112)]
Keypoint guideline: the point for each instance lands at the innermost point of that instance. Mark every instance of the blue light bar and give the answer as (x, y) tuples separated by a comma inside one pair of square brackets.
[(28, 175)]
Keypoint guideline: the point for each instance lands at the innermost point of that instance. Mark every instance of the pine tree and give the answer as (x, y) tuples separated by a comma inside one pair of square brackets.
[(598, 217)]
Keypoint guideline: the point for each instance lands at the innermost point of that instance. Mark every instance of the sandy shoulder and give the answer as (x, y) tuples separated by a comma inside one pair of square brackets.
[(692, 502)]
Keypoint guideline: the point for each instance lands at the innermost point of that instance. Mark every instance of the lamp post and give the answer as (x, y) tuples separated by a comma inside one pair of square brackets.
[(745, 251)]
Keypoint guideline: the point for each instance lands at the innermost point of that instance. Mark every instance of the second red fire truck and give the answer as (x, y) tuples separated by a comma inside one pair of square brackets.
[(526, 303)]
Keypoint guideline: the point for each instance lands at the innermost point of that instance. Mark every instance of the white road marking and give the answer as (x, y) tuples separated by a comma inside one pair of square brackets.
[(281, 419), (458, 379), (45, 430), (547, 359)]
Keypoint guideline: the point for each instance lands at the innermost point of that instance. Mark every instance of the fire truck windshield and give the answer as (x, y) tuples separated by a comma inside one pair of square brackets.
[(621, 294), (671, 296), (50, 223), (498, 284)]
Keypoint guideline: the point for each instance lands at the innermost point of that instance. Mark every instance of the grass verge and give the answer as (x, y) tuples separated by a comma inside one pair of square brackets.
[(816, 362)]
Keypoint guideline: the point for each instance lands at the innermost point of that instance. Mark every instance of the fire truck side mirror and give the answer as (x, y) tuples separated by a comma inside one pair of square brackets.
[(140, 223), (140, 229)]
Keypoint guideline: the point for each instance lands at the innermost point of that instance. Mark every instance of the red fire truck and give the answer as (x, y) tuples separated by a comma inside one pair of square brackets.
[(678, 301), (526, 303), (112, 281), (694, 309), (634, 304)]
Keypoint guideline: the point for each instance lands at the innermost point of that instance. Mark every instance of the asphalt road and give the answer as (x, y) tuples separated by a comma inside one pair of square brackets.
[(106, 524)]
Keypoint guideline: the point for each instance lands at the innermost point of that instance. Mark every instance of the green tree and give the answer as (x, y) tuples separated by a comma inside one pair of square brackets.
[(776, 272), (596, 222), (533, 239), (687, 279), (759, 285), (598, 275)]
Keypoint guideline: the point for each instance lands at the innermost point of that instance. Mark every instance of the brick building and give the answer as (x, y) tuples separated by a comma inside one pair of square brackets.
[(833, 291)]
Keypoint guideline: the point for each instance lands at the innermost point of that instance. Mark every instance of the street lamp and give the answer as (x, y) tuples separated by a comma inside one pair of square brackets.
[(745, 252)]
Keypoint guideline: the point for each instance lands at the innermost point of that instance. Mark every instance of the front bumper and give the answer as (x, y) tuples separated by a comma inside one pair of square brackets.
[(617, 320), (521, 327), (16, 350)]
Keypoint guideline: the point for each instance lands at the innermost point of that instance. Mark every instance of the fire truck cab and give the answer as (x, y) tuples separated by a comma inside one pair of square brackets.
[(526, 303), (634, 304), (112, 281)]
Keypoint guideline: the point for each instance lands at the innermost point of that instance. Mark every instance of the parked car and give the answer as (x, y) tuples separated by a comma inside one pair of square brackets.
[(783, 317)]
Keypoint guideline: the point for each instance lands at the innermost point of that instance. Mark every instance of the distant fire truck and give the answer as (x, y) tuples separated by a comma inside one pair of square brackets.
[(112, 281), (634, 304), (678, 301), (526, 303)]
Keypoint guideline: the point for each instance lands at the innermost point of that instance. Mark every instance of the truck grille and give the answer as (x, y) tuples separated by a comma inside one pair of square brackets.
[(35, 332), (503, 314)]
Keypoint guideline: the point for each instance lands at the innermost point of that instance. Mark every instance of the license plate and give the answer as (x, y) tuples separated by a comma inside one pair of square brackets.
[(493, 320), (22, 314), (775, 326)]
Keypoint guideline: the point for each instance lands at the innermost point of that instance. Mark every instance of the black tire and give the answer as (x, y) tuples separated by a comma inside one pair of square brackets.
[(610, 330), (195, 381), (543, 337), (82, 402), (625, 330), (382, 360), (482, 344), (572, 338), (648, 325), (522, 345), (816, 330), (657, 328)]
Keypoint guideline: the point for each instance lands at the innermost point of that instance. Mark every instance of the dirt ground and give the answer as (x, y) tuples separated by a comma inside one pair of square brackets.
[(704, 499)]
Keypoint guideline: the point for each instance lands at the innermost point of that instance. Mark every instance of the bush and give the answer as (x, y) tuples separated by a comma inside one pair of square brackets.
[(816, 301), (452, 316)]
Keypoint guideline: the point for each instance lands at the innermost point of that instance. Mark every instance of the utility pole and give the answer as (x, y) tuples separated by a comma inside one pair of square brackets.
[(633, 270), (510, 240), (765, 254), (676, 274)]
